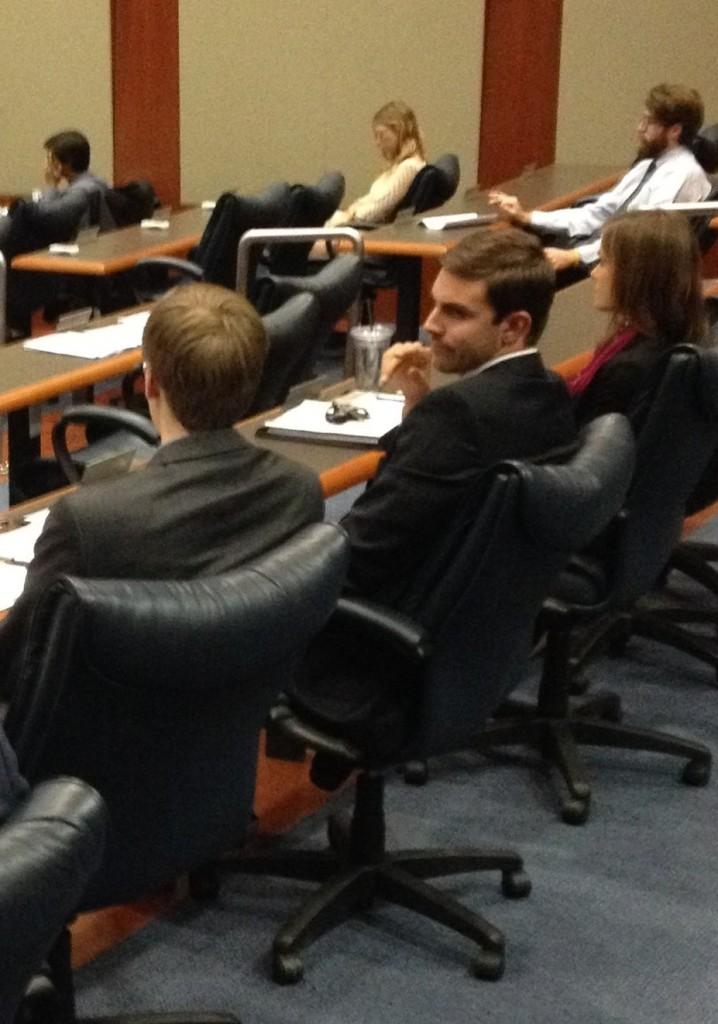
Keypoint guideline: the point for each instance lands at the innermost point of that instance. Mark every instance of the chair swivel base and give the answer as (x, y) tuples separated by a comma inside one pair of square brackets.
[(668, 626), (595, 722), (356, 870)]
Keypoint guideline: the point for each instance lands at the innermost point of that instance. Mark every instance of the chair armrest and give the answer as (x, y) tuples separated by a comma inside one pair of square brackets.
[(408, 637), (106, 416), (301, 731)]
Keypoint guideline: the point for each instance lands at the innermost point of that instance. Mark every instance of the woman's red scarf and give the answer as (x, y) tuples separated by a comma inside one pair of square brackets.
[(578, 384)]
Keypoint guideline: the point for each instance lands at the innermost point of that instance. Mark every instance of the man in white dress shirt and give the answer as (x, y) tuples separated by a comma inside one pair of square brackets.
[(665, 171)]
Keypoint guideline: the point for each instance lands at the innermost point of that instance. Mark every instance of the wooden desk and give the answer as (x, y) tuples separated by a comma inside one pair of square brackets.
[(550, 188), (29, 378), (115, 251)]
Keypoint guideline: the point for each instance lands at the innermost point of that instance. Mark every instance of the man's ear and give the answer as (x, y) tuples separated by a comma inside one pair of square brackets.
[(674, 132), (151, 387), (515, 329)]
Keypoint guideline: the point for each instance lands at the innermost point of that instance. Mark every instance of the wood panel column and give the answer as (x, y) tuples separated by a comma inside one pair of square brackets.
[(145, 94), (519, 93)]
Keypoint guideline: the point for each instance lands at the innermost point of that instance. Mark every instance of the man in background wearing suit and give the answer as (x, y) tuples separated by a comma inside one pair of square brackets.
[(491, 301), (208, 501), (665, 171)]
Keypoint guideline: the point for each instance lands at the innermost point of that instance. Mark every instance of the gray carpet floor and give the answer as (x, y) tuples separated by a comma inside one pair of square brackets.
[(621, 926)]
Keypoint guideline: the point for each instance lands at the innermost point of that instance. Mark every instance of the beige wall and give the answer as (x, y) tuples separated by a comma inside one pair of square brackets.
[(612, 52), (55, 60), (285, 89)]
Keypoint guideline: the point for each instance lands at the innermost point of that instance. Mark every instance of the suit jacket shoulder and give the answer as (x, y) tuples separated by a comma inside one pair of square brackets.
[(625, 383), (514, 409)]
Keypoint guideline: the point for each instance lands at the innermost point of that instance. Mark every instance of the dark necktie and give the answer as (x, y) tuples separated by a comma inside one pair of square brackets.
[(596, 233), (632, 195)]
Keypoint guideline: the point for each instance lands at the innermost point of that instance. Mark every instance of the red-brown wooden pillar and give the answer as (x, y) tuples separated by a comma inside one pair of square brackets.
[(145, 94), (519, 93)]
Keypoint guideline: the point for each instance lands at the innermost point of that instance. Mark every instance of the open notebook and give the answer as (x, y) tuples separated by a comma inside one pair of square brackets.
[(307, 421)]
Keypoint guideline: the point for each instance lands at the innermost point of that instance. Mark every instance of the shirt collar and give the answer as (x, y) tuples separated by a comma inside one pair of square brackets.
[(501, 359)]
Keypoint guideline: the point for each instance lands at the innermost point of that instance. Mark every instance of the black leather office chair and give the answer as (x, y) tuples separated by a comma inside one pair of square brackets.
[(28, 227), (433, 185), (292, 333), (215, 258), (602, 586), (445, 674), (335, 286), (131, 203), (705, 148), (309, 207), (154, 692), (49, 849)]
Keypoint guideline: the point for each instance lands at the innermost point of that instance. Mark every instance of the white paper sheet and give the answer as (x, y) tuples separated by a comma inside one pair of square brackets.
[(96, 343), (19, 544), (12, 581)]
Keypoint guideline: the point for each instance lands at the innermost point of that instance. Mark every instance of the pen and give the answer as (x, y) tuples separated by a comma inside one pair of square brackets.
[(13, 561)]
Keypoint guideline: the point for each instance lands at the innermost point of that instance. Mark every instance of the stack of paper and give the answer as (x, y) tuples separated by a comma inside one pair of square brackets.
[(307, 421), (16, 551), (96, 343)]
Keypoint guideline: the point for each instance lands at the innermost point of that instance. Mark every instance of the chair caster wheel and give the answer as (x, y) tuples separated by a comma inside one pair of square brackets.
[(287, 968), (488, 965), (574, 812), (696, 773), (203, 884), (515, 884), (416, 773)]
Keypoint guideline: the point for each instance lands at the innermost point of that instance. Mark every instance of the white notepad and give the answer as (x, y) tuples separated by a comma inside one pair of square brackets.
[(19, 544), (458, 220), (96, 343), (307, 421)]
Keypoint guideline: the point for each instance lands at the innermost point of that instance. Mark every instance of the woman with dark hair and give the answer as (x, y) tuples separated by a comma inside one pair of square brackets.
[(649, 279)]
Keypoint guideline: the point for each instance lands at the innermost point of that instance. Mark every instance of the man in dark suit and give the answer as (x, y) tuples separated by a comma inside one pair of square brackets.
[(209, 500), (491, 301)]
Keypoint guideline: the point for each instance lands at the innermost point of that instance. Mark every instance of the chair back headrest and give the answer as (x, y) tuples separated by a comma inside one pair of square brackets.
[(509, 543), (705, 148), (292, 332), (336, 286), (309, 207), (131, 203), (678, 437), (433, 185), (34, 226), (231, 217), (155, 691)]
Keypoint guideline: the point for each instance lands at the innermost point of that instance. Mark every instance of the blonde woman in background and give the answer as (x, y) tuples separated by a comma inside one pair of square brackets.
[(401, 144)]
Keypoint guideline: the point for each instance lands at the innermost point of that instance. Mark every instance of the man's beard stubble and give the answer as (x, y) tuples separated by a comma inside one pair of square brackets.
[(650, 149)]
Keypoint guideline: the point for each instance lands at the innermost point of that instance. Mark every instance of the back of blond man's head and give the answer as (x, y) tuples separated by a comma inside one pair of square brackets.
[(206, 347)]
